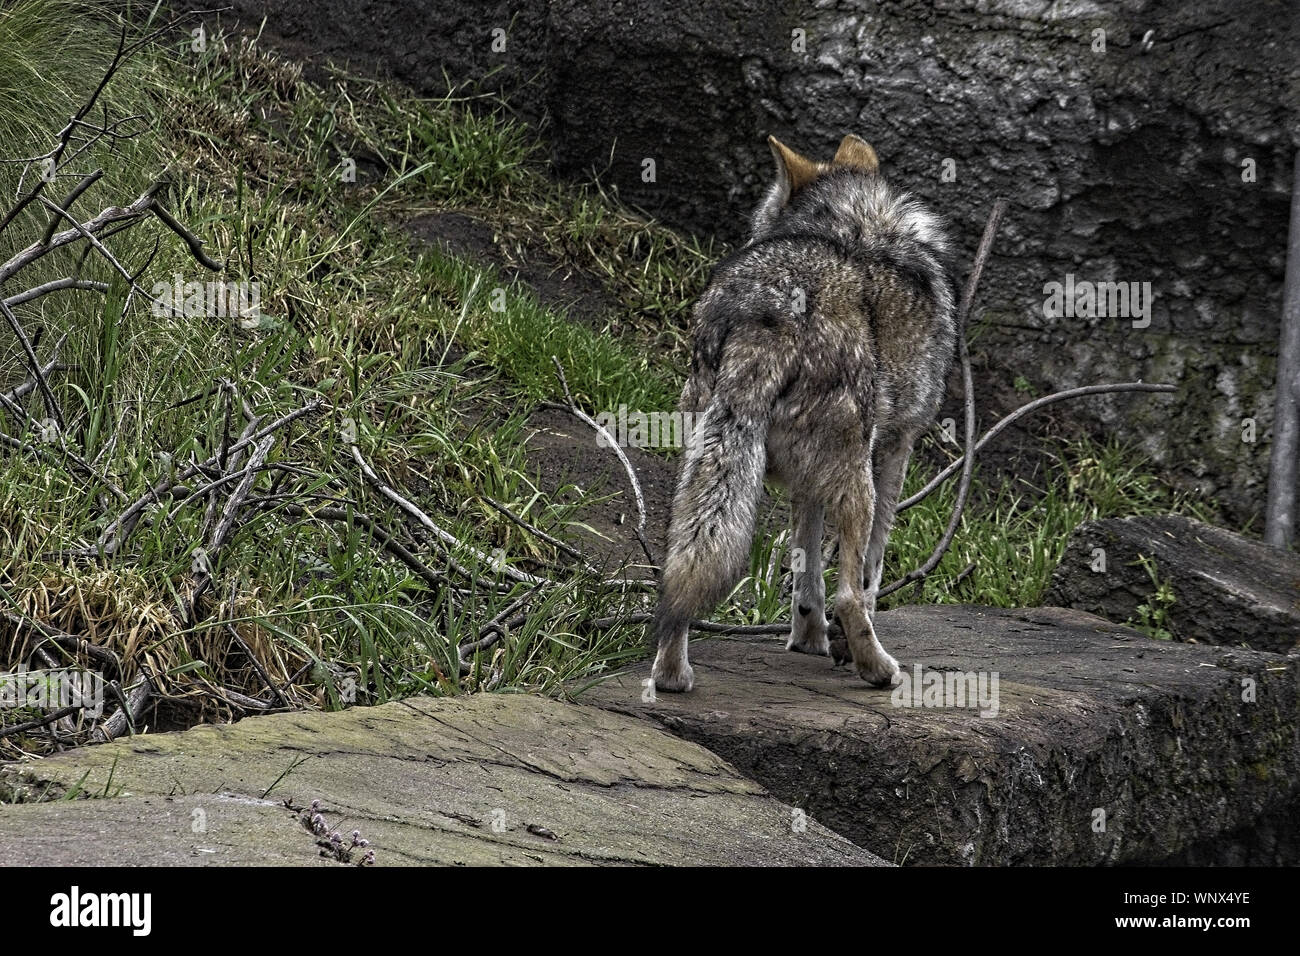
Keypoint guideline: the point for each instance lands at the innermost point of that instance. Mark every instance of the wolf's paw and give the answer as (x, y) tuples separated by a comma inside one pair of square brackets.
[(809, 641), (878, 670), (676, 679), (807, 645)]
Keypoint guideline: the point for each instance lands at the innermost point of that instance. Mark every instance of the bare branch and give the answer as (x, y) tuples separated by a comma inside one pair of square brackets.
[(1021, 412), (68, 200), (103, 250), (65, 136), (68, 643), (191, 240), (252, 658), (428, 524), (495, 630), (79, 463), (55, 285), (10, 398), (119, 528), (577, 412), (39, 722), (225, 525), (113, 214), (433, 578), (33, 363), (126, 717)]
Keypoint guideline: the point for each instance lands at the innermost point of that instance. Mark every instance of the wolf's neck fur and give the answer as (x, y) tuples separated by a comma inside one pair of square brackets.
[(853, 207)]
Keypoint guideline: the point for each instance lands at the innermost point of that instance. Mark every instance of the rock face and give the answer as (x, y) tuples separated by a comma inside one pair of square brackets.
[(490, 779), (1227, 588), (1099, 746), (1139, 141)]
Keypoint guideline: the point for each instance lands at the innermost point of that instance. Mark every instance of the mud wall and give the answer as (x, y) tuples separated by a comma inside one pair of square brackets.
[(1139, 141)]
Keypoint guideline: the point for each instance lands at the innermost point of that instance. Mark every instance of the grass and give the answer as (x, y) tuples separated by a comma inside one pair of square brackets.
[(1008, 542), (401, 341), (427, 362)]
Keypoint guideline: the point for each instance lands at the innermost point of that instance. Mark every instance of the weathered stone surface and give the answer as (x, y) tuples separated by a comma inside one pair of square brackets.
[(1091, 719), (1228, 589), (156, 830), (1122, 132), (424, 780)]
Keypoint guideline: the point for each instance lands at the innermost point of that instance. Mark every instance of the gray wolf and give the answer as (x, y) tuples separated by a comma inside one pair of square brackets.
[(821, 351)]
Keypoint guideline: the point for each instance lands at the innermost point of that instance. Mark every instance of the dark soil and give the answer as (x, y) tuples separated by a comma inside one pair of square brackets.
[(563, 451)]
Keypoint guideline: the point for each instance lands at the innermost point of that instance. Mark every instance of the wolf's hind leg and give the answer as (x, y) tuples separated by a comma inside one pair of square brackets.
[(808, 629), (672, 669), (852, 511)]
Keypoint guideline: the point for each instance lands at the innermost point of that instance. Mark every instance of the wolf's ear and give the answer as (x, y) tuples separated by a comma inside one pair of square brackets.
[(856, 154), (796, 171)]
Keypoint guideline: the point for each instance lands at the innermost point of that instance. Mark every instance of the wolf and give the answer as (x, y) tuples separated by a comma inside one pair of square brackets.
[(820, 352)]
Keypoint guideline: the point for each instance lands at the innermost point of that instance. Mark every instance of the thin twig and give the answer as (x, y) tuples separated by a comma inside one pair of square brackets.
[(1019, 413), (429, 525), (225, 525), (11, 398), (68, 200), (65, 136), (434, 579), (117, 530), (495, 630), (577, 412), (968, 389), (539, 533), (69, 643), (34, 363), (104, 251), (194, 242), (80, 464)]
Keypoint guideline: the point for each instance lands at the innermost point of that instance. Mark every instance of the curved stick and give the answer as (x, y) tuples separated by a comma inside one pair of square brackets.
[(1022, 411)]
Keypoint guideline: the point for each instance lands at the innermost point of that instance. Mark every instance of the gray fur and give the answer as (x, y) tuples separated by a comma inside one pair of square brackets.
[(828, 400)]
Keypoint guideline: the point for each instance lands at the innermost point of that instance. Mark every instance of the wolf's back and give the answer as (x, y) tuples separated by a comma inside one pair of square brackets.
[(804, 318)]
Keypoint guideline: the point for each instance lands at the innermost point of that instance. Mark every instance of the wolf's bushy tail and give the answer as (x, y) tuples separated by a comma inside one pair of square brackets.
[(713, 515)]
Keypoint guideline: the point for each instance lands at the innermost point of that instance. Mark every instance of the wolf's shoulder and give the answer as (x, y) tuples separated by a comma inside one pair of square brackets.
[(777, 259)]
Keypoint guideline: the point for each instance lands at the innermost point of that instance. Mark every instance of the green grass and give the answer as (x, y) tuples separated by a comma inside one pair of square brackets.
[(505, 325), (429, 362), (400, 340), (1011, 541)]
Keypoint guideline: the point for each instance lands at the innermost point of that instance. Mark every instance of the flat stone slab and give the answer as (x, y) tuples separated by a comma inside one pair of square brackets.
[(1228, 589), (1100, 744), (486, 779)]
